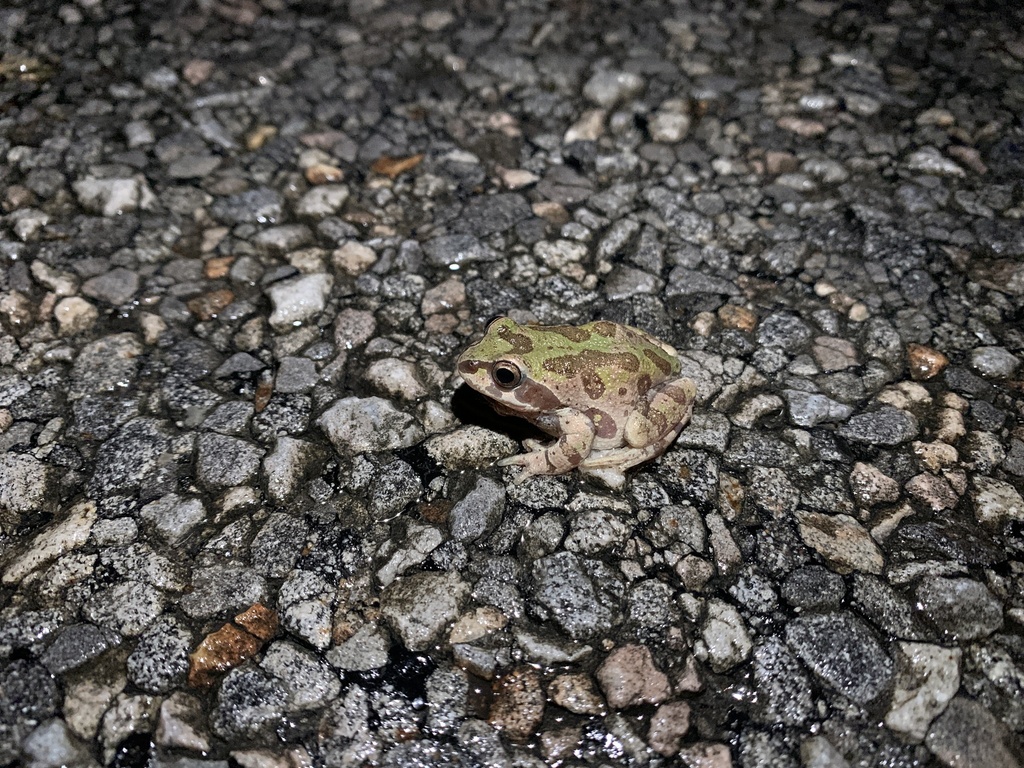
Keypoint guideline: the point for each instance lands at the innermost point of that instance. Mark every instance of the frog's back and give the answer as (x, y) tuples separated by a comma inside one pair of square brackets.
[(615, 341)]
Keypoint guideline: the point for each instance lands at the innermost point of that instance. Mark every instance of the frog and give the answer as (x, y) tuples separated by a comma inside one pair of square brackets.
[(612, 396)]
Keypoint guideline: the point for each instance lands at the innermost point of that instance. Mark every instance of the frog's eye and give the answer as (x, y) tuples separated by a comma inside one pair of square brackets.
[(506, 374)]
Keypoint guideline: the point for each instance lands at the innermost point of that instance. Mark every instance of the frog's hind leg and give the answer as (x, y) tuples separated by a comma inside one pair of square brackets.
[(625, 458)]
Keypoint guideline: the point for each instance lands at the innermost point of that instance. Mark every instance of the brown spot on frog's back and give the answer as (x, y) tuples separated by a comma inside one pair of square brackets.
[(520, 343), (592, 360), (604, 328), (659, 361), (573, 333)]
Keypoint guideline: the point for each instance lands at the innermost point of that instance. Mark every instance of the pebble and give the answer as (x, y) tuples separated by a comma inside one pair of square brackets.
[(807, 409), (180, 724), (421, 606), (478, 513), (298, 300), (886, 426), (562, 588), (76, 645), (725, 641), (930, 160), (841, 540), (606, 88), (53, 745), (577, 693), (113, 197), (174, 518), (396, 378), (967, 734), (994, 362), (360, 425), (669, 726), (996, 502), (841, 650), (963, 608), (74, 315), (932, 491), (223, 461), (927, 678), (871, 487), (353, 258), (60, 538), (629, 677), (518, 703), (925, 363)]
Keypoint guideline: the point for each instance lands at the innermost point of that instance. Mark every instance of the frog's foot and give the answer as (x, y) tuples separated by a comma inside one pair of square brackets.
[(531, 444)]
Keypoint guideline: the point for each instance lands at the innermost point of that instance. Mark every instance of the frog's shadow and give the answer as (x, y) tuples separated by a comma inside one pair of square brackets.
[(470, 407)]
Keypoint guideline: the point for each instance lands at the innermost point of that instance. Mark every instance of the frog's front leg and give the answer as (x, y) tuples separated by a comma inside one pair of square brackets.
[(576, 432)]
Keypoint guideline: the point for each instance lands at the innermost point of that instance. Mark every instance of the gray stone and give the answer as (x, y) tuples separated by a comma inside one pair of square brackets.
[(308, 680), (286, 467), (173, 517), (813, 588), (395, 486), (607, 88), (223, 461), (478, 513), (78, 644), (128, 607), (130, 459), (967, 735), (996, 502), (784, 688), (725, 641), (249, 705), (160, 660), (886, 426), (109, 364), (421, 606), (278, 545), (299, 300), (257, 206), (456, 250), (360, 425), (367, 649), (963, 607), (994, 362), (53, 745), (447, 697), (785, 331), (841, 650), (114, 287), (25, 485), (807, 409), (566, 593), (295, 375), (223, 589), (928, 677)]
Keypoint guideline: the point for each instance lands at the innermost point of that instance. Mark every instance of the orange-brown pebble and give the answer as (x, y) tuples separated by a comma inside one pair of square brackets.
[(392, 167), (322, 173), (925, 363), (258, 620), (518, 704), (220, 651), (218, 267), (209, 305), (259, 136), (734, 316)]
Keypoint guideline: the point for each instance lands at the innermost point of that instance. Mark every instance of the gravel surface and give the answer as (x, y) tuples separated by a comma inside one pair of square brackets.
[(247, 518)]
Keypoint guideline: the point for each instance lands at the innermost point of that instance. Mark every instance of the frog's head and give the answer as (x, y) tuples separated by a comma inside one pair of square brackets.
[(499, 366)]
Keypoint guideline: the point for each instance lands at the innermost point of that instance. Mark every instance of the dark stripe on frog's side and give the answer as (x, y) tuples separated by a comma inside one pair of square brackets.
[(536, 396), (659, 361), (643, 383), (604, 424)]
